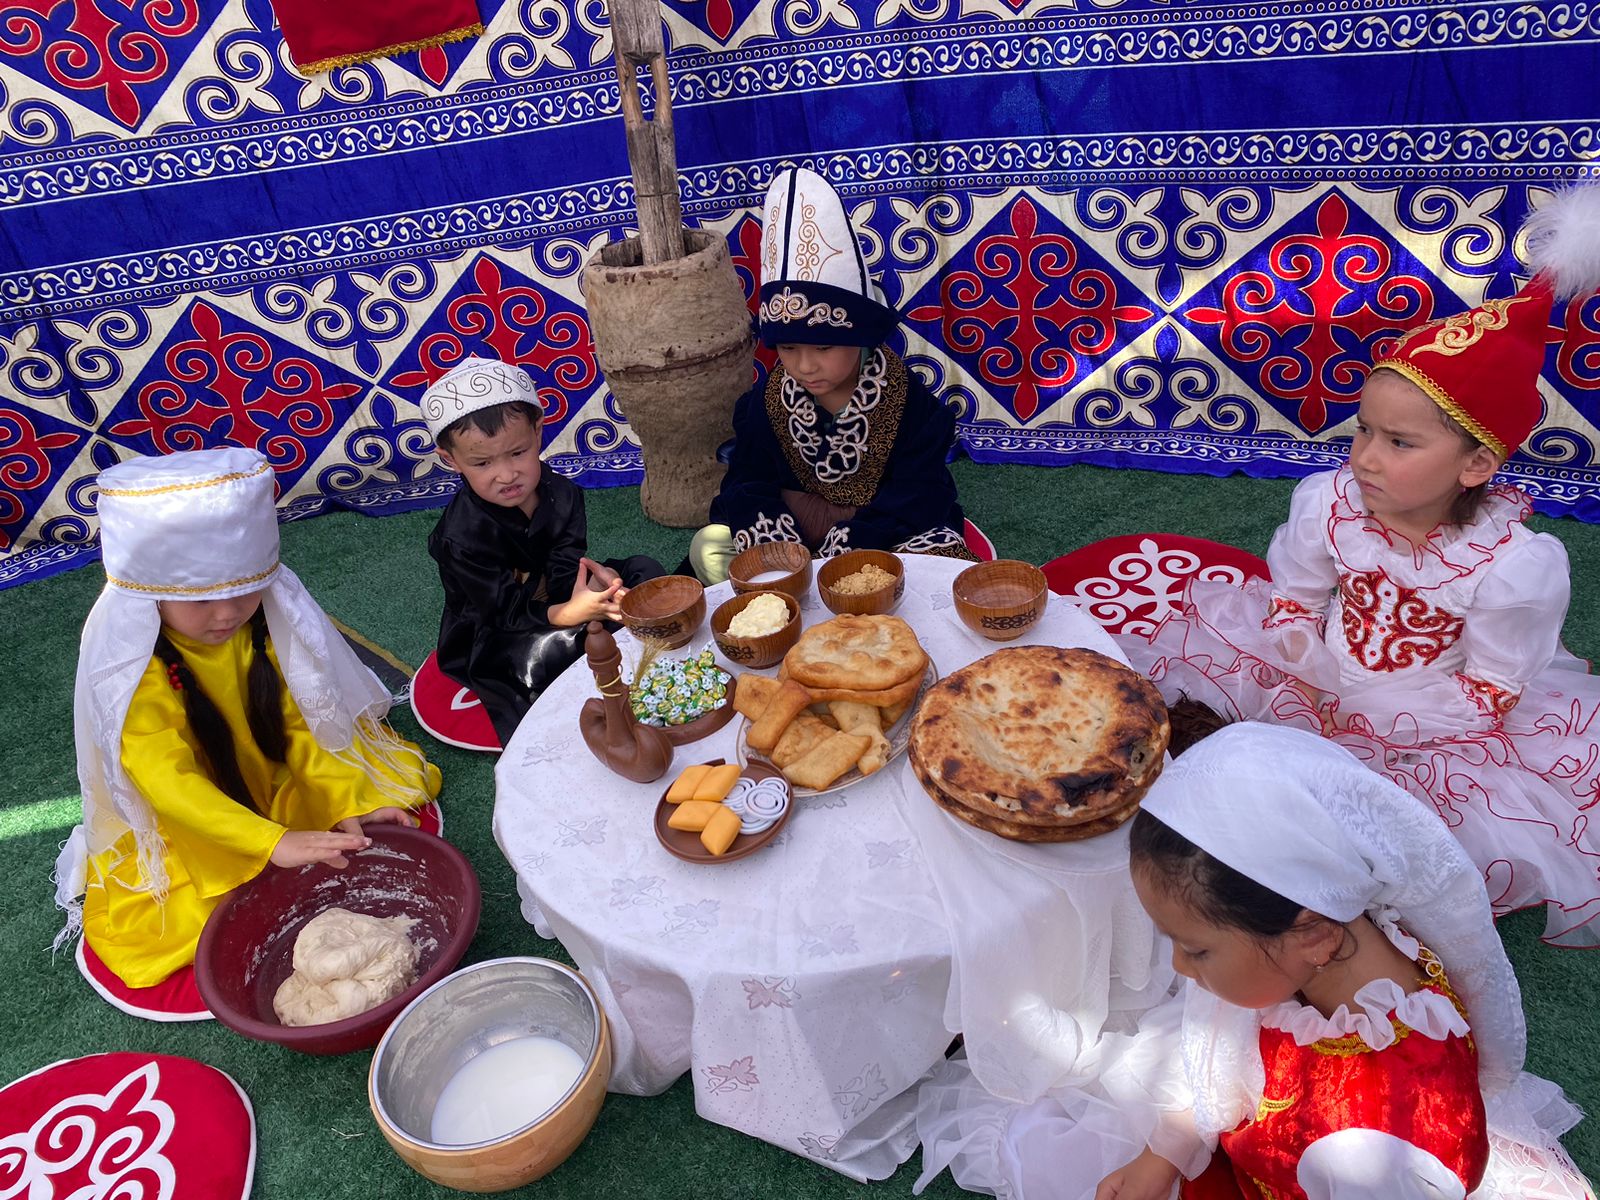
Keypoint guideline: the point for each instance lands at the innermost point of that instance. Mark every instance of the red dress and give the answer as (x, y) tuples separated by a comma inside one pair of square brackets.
[(1419, 1089)]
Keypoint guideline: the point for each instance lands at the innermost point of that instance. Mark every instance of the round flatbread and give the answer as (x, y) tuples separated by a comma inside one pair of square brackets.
[(1016, 832), (1038, 737), (861, 654)]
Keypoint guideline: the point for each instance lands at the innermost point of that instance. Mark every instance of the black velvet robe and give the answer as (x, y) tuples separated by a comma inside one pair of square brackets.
[(884, 454), (501, 573)]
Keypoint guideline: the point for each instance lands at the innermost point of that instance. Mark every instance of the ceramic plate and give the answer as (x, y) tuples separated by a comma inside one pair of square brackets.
[(681, 843), (899, 737)]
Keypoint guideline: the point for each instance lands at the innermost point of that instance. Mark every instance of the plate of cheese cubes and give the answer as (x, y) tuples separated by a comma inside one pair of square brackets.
[(719, 812)]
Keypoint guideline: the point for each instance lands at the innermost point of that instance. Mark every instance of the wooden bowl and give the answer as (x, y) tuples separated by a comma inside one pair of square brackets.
[(867, 604), (456, 1020), (667, 610), (1001, 599), (681, 843), (247, 947), (754, 652), (789, 564)]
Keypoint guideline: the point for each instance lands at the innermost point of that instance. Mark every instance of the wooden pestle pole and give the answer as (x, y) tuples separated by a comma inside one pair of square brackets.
[(652, 150)]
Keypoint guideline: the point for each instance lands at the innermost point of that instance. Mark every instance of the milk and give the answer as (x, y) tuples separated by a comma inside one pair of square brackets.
[(503, 1089), (767, 577)]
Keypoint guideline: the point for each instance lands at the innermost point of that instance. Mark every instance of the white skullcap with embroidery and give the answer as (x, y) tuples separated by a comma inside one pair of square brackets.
[(472, 384)]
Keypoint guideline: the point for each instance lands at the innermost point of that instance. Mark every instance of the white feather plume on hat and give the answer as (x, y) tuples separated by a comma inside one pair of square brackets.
[(1564, 240)]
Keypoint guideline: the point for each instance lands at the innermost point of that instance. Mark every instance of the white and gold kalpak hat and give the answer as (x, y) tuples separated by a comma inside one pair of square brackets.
[(471, 384), (199, 525), (815, 289)]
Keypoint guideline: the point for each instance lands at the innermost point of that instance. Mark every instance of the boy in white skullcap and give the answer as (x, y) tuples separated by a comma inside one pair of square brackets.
[(221, 721), (843, 448), (512, 546)]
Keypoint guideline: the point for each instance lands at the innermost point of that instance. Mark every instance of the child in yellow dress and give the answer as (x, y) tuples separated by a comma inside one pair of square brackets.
[(222, 723)]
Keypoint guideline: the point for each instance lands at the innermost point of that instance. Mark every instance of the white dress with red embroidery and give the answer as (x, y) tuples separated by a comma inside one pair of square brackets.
[(1440, 666)]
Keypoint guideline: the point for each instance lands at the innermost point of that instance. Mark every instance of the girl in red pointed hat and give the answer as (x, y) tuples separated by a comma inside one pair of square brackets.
[(1413, 617)]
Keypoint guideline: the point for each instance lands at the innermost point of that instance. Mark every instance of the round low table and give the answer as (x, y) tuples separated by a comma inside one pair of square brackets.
[(810, 987)]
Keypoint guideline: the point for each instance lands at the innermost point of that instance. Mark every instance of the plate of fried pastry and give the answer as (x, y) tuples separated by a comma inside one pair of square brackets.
[(841, 706), (1040, 743)]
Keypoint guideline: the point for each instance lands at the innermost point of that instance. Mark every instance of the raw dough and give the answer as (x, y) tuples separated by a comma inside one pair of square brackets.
[(344, 964)]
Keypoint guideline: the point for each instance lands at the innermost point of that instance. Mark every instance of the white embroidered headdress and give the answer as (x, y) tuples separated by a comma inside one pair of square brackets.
[(471, 384), (1299, 815), (199, 525), (815, 289)]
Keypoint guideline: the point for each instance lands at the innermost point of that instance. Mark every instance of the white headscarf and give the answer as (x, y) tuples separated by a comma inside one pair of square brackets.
[(1301, 816), (471, 384), (198, 525)]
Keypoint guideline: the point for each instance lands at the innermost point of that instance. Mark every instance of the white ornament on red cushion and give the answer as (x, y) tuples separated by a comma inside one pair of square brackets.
[(126, 1127)]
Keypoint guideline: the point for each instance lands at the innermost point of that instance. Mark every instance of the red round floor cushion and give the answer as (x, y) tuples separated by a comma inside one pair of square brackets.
[(146, 1126), (450, 712)]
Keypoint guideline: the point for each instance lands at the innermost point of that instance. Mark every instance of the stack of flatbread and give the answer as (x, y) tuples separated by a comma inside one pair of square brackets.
[(838, 689), (1040, 744)]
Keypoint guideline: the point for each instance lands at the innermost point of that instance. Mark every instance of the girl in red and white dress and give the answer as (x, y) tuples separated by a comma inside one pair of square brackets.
[(1351, 1028), (1415, 619)]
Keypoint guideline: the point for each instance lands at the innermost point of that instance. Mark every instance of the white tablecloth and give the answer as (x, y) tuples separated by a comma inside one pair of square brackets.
[(809, 987)]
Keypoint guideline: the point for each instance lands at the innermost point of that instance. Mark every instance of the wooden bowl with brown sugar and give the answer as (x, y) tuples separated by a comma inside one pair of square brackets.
[(667, 610), (1000, 600), (754, 652), (772, 567), (841, 583)]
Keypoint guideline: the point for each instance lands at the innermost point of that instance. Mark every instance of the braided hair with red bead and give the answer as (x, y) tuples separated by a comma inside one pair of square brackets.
[(263, 710)]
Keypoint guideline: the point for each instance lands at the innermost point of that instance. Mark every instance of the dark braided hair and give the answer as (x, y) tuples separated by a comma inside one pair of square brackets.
[(263, 710)]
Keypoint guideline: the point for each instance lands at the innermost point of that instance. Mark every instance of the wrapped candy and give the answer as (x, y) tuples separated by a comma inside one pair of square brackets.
[(676, 691)]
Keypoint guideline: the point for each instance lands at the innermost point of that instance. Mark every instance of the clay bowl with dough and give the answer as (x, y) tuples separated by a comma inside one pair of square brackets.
[(755, 653), (459, 1018), (862, 604), (1000, 600), (667, 609), (772, 567), (247, 948)]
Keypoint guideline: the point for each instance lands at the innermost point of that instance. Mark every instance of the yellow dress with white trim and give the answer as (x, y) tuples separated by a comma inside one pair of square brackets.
[(212, 843)]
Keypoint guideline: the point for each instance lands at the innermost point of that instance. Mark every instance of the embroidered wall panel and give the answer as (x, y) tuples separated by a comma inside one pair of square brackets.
[(1140, 232)]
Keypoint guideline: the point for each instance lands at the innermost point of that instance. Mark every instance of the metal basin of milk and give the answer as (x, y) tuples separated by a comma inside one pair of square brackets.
[(504, 1088)]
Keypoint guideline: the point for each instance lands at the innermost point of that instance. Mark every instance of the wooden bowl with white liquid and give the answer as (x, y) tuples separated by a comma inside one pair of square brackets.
[(772, 567), (513, 1053)]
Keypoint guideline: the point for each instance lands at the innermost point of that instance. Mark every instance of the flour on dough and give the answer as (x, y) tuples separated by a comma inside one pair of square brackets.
[(344, 964)]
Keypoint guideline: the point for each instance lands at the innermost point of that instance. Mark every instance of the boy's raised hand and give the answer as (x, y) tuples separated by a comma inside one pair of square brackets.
[(586, 605), (301, 847), (595, 575)]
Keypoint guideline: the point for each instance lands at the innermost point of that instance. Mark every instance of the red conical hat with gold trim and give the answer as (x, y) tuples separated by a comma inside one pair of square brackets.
[(1482, 366)]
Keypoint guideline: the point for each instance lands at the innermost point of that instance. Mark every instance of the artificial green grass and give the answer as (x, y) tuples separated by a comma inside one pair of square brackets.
[(316, 1137)]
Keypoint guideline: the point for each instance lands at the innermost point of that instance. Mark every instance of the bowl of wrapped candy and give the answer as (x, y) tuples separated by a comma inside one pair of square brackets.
[(686, 698)]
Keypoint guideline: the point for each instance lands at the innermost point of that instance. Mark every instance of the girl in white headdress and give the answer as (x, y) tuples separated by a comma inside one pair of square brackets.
[(221, 721), (1351, 1028)]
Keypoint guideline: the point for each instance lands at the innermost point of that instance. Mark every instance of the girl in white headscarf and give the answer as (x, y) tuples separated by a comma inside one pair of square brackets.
[(198, 765), (1351, 1028)]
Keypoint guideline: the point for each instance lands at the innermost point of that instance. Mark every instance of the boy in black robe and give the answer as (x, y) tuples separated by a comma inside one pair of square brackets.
[(519, 589)]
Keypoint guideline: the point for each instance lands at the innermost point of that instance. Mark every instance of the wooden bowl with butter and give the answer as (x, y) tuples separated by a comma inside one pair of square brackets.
[(760, 650)]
